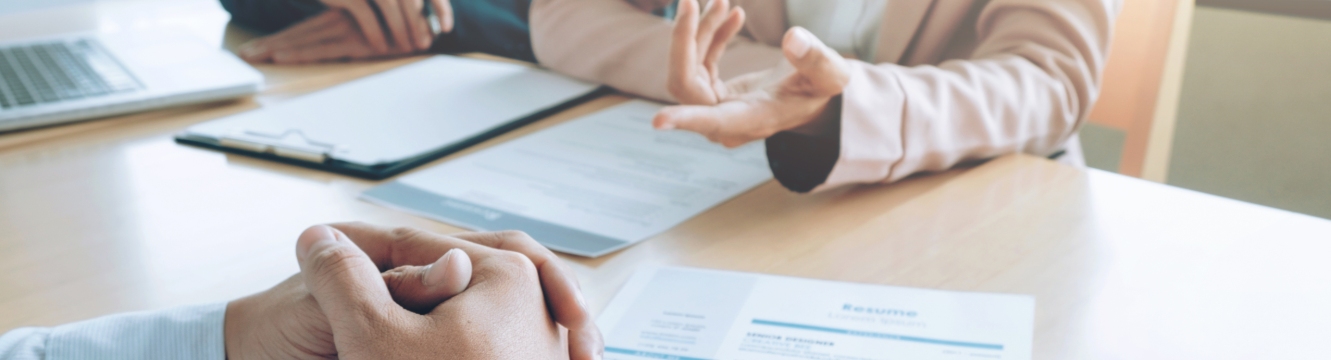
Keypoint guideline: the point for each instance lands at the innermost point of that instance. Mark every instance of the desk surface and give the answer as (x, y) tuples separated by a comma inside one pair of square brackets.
[(111, 215)]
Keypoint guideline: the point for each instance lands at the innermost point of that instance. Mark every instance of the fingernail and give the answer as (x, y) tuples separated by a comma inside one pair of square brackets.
[(437, 272), (598, 352), (662, 121), (254, 47), (801, 43), (282, 57), (314, 238), (582, 302)]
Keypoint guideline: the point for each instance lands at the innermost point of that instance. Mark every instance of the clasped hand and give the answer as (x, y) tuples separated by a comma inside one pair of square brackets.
[(752, 106), (366, 292)]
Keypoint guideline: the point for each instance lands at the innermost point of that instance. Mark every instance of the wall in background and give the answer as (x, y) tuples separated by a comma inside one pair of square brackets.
[(1254, 118), (1319, 9)]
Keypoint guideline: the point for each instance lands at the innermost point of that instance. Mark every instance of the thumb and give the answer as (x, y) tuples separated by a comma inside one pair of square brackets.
[(343, 280), (824, 72), (422, 288)]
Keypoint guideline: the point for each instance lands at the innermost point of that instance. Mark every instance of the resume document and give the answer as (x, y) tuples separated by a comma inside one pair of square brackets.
[(687, 314), (588, 186)]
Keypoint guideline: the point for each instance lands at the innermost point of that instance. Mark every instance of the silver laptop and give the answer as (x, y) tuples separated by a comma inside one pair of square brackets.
[(84, 76)]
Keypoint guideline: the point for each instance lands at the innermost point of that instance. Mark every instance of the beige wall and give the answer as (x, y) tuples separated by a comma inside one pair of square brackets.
[(1319, 9), (1254, 118)]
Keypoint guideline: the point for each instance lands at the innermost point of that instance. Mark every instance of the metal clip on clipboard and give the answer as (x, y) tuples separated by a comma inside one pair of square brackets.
[(291, 144)]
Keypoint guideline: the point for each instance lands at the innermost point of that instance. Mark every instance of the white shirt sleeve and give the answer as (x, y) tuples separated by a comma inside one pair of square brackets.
[(847, 26), (193, 332)]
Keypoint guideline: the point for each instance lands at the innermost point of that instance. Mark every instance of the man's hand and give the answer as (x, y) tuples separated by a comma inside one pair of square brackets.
[(330, 36), (286, 321), (407, 30), (501, 315), (562, 294), (752, 106)]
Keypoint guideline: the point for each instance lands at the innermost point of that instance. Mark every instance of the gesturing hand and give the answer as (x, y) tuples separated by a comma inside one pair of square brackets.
[(696, 46), (331, 35), (752, 106), (408, 30)]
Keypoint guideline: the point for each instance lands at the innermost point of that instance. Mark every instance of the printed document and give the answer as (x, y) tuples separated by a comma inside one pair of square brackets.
[(588, 186), (690, 314)]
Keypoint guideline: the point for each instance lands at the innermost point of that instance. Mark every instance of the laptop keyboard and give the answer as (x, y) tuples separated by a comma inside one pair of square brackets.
[(58, 71)]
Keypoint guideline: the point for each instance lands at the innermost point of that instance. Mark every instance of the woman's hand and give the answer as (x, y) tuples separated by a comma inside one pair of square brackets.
[(695, 48), (752, 106), (407, 28)]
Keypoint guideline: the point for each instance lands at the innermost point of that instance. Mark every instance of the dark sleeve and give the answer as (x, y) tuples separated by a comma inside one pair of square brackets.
[(496, 27), (268, 16), (802, 160)]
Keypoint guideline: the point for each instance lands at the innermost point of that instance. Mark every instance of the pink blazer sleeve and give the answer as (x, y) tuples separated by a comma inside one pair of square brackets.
[(613, 43), (1026, 88)]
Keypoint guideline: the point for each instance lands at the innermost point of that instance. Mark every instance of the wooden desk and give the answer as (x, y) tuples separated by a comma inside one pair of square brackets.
[(112, 216)]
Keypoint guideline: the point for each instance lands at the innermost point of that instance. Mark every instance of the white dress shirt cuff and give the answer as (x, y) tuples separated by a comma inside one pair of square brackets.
[(192, 332)]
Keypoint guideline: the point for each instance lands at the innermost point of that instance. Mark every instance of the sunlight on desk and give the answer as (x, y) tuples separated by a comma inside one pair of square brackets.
[(111, 215)]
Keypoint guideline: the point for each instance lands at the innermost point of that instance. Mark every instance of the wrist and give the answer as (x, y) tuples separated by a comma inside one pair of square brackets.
[(824, 122), (235, 325)]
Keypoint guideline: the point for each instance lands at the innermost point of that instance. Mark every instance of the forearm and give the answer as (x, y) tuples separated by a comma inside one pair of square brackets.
[(496, 27), (271, 15), (943, 116), (1027, 88), (180, 333)]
